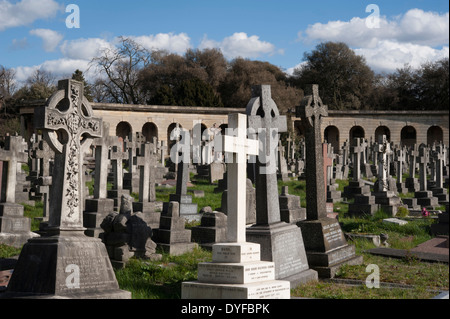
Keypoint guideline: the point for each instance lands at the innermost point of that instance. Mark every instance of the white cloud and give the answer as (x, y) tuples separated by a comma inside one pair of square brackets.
[(176, 43), (290, 71), (413, 38), (59, 68), (51, 38), (25, 12), (241, 45), (390, 55), (415, 26), (84, 49)]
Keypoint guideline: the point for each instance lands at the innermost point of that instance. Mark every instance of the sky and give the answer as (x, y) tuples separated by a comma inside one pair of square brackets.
[(34, 34)]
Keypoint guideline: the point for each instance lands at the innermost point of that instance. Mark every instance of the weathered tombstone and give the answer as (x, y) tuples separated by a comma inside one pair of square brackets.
[(131, 178), (188, 210), (424, 197), (99, 206), (14, 227), (64, 263), (438, 190), (280, 242), (411, 182), (172, 236), (282, 164), (332, 194), (236, 271), (325, 243), (44, 181), (116, 156), (212, 230), (127, 235), (147, 204), (356, 186), (385, 197), (400, 158), (291, 210)]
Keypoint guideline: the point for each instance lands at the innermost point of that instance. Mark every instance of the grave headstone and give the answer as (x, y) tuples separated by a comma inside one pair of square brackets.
[(291, 210), (325, 243), (14, 227), (251, 203), (356, 186), (236, 271), (212, 229), (412, 182), (424, 197), (172, 236), (99, 206), (117, 156), (280, 242), (64, 263), (126, 234), (147, 204)]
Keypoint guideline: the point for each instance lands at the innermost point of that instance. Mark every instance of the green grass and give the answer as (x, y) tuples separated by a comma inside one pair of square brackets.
[(32, 212), (161, 279)]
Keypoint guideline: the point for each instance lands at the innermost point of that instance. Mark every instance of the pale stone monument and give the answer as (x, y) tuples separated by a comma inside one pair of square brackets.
[(64, 262), (236, 271)]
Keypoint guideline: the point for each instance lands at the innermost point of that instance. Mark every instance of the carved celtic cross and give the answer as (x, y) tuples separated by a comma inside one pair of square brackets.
[(68, 126)]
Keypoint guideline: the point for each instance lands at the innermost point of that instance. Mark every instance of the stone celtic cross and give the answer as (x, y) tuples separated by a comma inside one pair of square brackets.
[(265, 119), (384, 150), (238, 145), (69, 126), (311, 111)]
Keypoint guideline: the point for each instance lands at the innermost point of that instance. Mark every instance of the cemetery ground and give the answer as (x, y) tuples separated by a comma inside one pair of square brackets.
[(400, 278)]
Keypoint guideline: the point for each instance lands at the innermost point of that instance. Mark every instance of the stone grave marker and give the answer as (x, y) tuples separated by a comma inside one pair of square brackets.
[(325, 243), (280, 242), (14, 227), (64, 262), (424, 197), (356, 186), (99, 206), (147, 203), (236, 271)]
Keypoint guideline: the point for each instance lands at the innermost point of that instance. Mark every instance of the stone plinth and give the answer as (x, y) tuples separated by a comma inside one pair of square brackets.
[(212, 229), (14, 227), (363, 205), (236, 272), (95, 211)]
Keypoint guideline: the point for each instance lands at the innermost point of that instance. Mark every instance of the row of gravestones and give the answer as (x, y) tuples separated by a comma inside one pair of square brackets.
[(264, 260)]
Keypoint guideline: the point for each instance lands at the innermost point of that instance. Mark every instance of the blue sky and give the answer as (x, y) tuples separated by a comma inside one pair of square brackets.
[(33, 33)]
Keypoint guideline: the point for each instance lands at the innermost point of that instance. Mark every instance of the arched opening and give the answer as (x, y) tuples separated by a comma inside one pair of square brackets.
[(382, 130), (331, 135), (123, 130), (357, 132), (150, 130), (435, 134), (408, 136)]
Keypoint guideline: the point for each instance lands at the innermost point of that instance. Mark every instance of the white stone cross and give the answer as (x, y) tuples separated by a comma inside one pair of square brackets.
[(384, 150), (235, 142)]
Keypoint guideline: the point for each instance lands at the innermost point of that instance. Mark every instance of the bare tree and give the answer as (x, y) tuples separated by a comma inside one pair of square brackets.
[(121, 66)]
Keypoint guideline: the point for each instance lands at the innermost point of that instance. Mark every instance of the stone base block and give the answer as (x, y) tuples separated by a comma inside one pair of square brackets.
[(67, 266), (236, 273), (236, 252), (264, 290)]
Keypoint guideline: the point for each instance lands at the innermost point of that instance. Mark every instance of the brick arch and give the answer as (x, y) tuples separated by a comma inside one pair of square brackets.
[(408, 135), (150, 130), (332, 136), (357, 132), (124, 129), (382, 130), (435, 134)]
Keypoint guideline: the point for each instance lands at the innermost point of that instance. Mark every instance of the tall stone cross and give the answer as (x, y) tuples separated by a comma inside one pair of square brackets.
[(69, 126), (440, 157), (384, 150), (117, 156), (102, 146), (327, 163), (264, 117), (400, 157), (146, 163), (45, 154), (239, 146), (13, 155), (356, 150), (423, 159), (311, 111), (413, 153)]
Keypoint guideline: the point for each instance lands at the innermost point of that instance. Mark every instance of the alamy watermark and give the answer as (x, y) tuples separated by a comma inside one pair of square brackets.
[(73, 19), (373, 20), (373, 280)]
